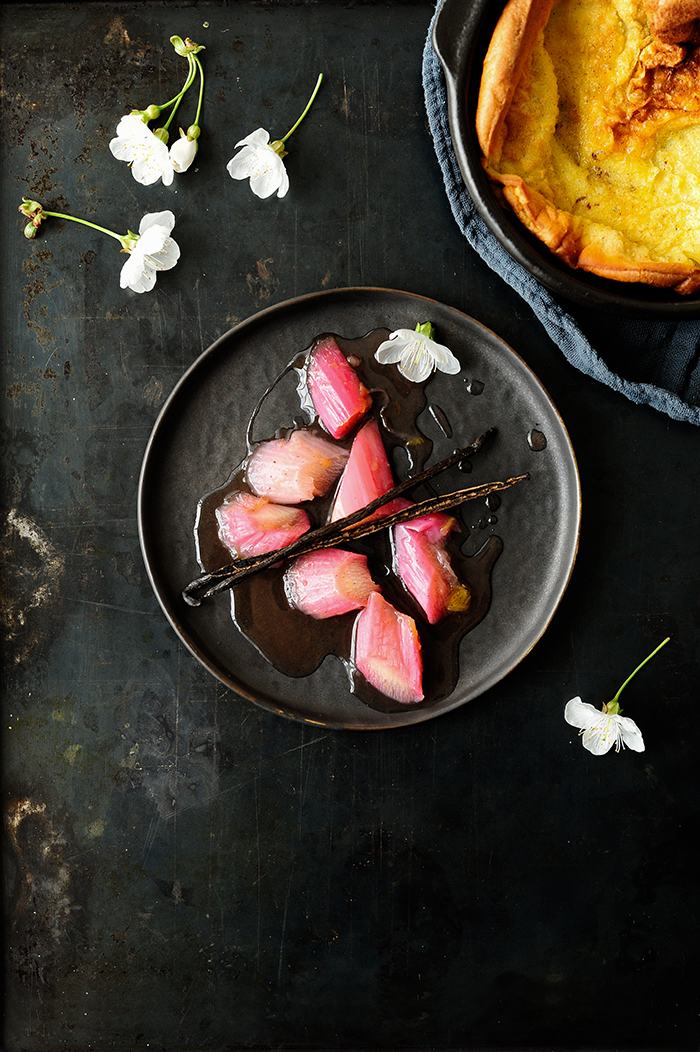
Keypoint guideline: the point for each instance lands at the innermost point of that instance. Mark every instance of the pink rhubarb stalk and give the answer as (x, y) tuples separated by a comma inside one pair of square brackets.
[(367, 474), (424, 566), (328, 582), (387, 651), (339, 396), (250, 525), (294, 469)]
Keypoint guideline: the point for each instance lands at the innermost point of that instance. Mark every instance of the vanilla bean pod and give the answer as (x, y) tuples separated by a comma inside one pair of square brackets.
[(353, 526)]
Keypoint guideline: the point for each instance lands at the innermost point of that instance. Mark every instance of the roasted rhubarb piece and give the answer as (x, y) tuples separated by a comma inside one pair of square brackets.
[(329, 582), (250, 525), (294, 469), (367, 474), (339, 396), (387, 651), (424, 566)]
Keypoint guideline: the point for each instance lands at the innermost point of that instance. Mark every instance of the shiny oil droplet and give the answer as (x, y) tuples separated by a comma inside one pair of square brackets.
[(474, 387), (441, 420), (536, 440)]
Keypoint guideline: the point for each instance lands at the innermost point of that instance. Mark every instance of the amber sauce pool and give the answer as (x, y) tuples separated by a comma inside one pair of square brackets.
[(297, 644)]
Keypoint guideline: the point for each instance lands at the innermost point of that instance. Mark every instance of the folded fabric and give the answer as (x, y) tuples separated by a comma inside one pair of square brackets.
[(651, 363)]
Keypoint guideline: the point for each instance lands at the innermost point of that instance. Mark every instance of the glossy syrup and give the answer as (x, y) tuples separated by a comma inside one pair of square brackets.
[(296, 644)]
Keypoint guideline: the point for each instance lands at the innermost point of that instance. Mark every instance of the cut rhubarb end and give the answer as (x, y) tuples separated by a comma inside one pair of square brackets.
[(387, 651), (329, 582), (339, 396), (425, 569), (294, 469), (250, 525), (367, 474)]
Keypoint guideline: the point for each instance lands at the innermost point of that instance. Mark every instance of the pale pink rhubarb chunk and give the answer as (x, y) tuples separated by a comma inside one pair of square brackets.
[(387, 651), (367, 474), (250, 525), (339, 396), (294, 469), (328, 582), (424, 566)]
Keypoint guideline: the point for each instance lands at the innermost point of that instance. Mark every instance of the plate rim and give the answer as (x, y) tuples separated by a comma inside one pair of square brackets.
[(410, 716)]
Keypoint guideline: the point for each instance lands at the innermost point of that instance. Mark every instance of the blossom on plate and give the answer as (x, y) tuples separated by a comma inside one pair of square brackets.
[(183, 151), (150, 251), (261, 163), (143, 151), (601, 730), (416, 353)]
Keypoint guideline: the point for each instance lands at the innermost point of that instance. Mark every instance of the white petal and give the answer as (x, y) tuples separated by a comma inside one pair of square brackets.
[(167, 257), (444, 358), (257, 138), (264, 183), (244, 164), (600, 737), (581, 714), (389, 352), (631, 734), (152, 240), (132, 126), (164, 219), (122, 149), (416, 363), (137, 274), (284, 183)]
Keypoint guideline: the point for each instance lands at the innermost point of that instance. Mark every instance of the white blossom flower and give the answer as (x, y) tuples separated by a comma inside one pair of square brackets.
[(602, 730), (182, 153), (416, 353), (261, 163), (151, 251), (147, 155)]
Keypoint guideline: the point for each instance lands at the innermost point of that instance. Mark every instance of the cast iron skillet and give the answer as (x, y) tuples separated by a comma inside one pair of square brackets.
[(461, 35)]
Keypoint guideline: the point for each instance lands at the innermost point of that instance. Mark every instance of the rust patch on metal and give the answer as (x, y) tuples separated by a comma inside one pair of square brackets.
[(31, 578)]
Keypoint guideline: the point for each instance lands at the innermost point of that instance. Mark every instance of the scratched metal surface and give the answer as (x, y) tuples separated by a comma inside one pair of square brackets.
[(183, 869)]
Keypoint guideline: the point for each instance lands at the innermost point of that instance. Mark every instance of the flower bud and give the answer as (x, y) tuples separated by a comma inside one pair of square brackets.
[(182, 152), (193, 132), (163, 134), (152, 112), (30, 229)]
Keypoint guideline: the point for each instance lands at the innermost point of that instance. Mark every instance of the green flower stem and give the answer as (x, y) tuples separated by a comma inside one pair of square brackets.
[(200, 67), (615, 699), (178, 98), (85, 222), (308, 107), (185, 87)]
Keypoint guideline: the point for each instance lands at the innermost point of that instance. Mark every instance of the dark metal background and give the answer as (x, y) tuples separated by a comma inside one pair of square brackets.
[(183, 869)]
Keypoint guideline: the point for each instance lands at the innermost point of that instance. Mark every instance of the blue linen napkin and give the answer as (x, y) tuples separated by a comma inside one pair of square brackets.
[(651, 363)]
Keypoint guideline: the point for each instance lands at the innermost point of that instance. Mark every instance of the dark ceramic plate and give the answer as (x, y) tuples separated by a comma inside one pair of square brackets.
[(199, 438), (461, 35)]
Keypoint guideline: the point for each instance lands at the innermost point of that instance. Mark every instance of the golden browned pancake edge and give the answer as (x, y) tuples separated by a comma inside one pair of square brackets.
[(509, 53)]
